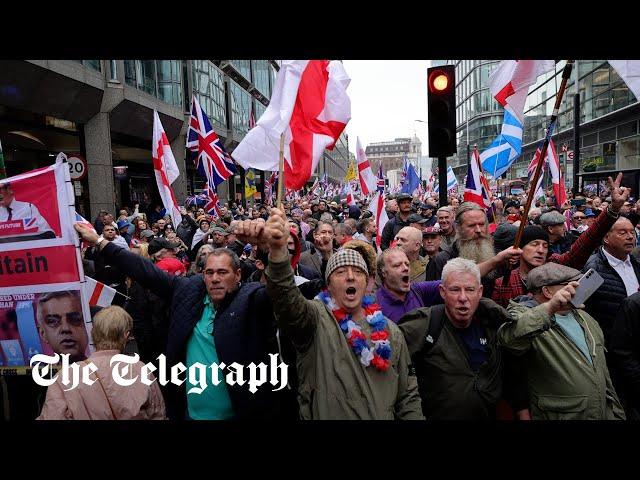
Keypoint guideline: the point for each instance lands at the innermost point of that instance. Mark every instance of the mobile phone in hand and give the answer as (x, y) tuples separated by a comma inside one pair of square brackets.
[(588, 284)]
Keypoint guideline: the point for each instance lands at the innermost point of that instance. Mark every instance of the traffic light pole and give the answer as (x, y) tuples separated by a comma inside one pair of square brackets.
[(576, 144), (442, 181)]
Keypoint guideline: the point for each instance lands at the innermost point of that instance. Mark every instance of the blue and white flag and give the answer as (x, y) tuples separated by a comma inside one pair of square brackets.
[(452, 182), (506, 147)]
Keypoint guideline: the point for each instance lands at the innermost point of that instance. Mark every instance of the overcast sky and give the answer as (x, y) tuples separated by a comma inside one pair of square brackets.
[(386, 97)]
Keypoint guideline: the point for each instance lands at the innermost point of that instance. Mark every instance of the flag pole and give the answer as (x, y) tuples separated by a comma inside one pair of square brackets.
[(281, 173), (566, 73)]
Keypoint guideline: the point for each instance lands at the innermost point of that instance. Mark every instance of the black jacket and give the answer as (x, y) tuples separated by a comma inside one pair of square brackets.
[(390, 230), (244, 330), (603, 305), (625, 351), (186, 229)]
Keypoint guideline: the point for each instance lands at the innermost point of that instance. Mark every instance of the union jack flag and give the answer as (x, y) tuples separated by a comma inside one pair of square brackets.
[(212, 207), (205, 148), (380, 183), (268, 187)]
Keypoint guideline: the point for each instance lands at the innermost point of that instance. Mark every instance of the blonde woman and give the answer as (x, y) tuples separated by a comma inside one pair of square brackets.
[(105, 399)]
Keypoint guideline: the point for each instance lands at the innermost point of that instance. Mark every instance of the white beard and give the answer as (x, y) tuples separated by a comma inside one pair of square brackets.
[(479, 253)]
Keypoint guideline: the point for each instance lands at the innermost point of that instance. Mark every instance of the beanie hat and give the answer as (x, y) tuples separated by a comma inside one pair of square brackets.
[(504, 236), (533, 232), (343, 258)]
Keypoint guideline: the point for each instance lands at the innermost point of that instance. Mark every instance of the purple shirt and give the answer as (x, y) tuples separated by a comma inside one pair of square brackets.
[(421, 294)]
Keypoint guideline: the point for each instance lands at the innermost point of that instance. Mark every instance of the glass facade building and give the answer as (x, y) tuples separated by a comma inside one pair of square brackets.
[(159, 78), (609, 115)]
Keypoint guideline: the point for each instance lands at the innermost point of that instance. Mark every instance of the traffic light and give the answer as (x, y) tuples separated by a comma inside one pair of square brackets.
[(442, 110)]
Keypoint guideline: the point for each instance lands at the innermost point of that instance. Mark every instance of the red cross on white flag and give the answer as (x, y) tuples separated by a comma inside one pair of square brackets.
[(310, 105)]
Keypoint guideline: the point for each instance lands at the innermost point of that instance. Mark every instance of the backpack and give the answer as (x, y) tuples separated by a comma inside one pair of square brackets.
[(435, 329)]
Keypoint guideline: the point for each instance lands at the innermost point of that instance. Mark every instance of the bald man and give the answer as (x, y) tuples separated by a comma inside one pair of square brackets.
[(409, 239)]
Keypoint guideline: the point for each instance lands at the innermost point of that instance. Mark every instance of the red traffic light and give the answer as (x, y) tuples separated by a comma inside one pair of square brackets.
[(439, 81)]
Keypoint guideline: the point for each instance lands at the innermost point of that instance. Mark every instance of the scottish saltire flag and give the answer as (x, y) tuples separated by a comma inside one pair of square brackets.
[(212, 207), (506, 147), (205, 148), (452, 182), (380, 182), (411, 181), (476, 189)]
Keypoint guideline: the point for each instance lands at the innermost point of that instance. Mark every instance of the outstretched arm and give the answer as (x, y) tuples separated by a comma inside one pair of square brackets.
[(296, 316)]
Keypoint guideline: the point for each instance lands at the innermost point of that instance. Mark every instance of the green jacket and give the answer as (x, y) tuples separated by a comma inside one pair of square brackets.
[(562, 383), (449, 387), (333, 382)]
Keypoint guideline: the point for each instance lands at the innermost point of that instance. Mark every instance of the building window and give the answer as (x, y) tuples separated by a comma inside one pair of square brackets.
[(160, 78), (261, 76), (259, 109), (169, 81), (208, 84), (92, 64), (242, 66), (240, 110)]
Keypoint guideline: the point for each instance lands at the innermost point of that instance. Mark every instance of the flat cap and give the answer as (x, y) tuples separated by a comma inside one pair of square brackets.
[(403, 196), (551, 274), (552, 218), (345, 257)]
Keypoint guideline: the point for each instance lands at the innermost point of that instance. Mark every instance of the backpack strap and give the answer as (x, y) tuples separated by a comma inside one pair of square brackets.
[(435, 328)]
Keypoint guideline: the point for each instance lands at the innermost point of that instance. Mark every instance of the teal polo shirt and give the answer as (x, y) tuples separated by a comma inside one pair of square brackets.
[(214, 402)]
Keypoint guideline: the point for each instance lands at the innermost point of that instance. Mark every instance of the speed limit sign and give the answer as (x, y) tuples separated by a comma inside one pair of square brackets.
[(77, 167)]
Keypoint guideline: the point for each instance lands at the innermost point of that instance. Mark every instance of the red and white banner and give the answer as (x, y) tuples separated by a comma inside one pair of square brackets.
[(98, 293), (376, 207), (368, 180), (556, 175), (43, 308), (311, 107), (166, 169)]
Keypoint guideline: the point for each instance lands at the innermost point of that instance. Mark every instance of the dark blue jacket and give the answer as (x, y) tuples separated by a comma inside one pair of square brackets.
[(603, 305), (244, 332)]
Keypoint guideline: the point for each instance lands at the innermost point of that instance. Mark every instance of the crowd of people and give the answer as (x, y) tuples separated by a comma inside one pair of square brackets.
[(443, 318)]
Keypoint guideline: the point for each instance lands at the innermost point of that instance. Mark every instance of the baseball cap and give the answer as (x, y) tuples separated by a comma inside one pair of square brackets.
[(172, 266), (415, 218), (122, 224), (431, 231), (158, 244)]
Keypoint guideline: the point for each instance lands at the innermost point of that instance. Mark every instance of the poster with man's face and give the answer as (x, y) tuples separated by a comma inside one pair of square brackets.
[(43, 323)]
